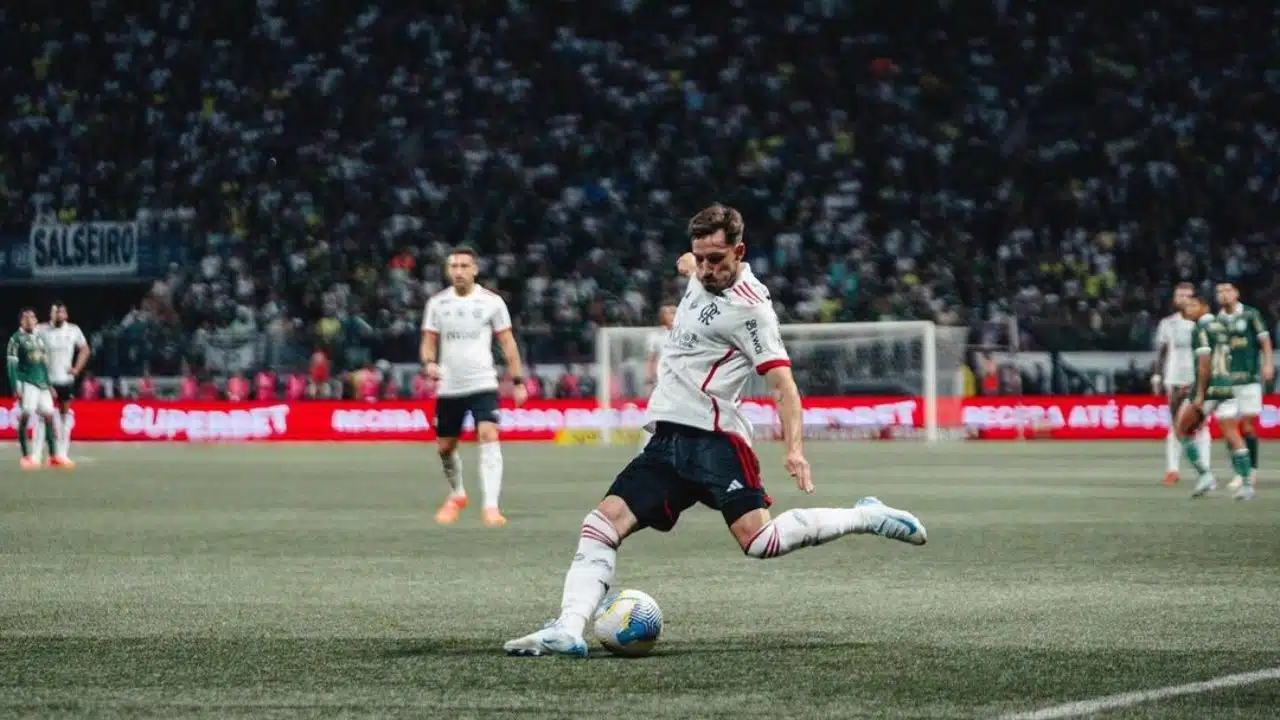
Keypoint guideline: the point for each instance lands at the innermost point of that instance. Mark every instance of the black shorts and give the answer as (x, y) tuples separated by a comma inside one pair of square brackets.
[(452, 411), (64, 393), (683, 465)]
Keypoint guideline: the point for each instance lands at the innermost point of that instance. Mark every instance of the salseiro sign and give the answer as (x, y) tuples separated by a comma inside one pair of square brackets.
[(91, 249), (91, 252)]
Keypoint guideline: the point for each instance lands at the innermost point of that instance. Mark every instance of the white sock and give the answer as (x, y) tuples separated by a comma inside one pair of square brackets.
[(64, 435), (37, 437), (491, 473), (1204, 442), (804, 527), (1172, 452), (453, 473), (591, 572)]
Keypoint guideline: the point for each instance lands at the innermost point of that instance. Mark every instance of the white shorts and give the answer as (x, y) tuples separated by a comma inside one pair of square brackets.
[(35, 400), (1248, 399), (1247, 402)]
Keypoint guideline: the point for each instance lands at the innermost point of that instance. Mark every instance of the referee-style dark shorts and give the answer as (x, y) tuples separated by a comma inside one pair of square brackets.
[(452, 411), (64, 393), (681, 466)]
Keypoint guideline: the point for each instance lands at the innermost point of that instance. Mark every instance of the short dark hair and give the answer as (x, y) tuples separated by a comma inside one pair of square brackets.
[(464, 250), (1184, 285), (26, 310), (717, 217)]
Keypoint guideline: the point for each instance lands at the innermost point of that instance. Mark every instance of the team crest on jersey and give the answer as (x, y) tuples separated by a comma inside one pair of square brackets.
[(683, 339), (708, 314), (1241, 325)]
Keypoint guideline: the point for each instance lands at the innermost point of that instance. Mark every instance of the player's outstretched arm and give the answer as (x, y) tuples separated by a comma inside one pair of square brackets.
[(82, 354), (428, 348), (511, 353), (1267, 349), (1203, 350), (687, 265), (1162, 352), (791, 413)]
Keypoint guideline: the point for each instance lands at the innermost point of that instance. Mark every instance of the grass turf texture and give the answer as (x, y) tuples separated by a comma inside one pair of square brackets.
[(311, 581)]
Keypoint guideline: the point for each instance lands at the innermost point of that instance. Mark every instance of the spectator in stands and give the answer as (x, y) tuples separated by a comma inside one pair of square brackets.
[(424, 388), (146, 387), (367, 384), (237, 388), (962, 163), (265, 384), (295, 387), (189, 388), (90, 387)]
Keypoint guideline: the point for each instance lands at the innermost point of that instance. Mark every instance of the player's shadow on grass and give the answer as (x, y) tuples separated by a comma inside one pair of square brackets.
[(473, 648)]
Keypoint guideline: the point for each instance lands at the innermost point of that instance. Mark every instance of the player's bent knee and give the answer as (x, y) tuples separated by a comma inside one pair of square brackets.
[(486, 432), (618, 513), (748, 527), (446, 446)]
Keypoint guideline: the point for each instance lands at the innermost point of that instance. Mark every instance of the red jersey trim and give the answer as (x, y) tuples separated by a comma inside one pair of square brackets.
[(747, 293), (715, 367), (765, 367)]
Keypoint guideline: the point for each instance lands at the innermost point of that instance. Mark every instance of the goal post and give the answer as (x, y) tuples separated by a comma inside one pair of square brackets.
[(899, 379)]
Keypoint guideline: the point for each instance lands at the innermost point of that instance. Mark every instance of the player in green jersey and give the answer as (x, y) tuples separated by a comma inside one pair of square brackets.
[(1211, 395), (29, 380), (1253, 367)]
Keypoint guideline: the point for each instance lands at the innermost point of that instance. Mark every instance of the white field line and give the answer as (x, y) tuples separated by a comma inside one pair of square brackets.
[(1124, 700)]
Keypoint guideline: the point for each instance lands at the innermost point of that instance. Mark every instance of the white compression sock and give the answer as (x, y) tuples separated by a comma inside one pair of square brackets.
[(1172, 452), (491, 473), (1204, 441), (591, 572), (804, 527), (37, 436), (453, 472), (64, 435)]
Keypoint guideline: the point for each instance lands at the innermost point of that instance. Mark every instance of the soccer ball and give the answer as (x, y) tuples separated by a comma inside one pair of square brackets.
[(628, 624)]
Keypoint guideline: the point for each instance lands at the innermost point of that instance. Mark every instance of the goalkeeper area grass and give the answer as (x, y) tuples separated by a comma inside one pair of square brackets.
[(311, 581)]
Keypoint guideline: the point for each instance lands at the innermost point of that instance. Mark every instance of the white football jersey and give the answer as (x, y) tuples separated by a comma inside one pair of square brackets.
[(63, 343), (464, 327), (715, 345), (1174, 332)]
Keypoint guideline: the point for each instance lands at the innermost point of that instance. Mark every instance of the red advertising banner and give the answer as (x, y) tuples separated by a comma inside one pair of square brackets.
[(1129, 417)]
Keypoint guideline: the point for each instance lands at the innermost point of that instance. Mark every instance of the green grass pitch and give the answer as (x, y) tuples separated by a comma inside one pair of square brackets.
[(311, 581)]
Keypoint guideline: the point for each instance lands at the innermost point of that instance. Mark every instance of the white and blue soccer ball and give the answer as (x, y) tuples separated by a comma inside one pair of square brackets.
[(629, 623)]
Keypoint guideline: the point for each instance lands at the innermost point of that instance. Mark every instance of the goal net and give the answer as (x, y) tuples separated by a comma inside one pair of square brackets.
[(859, 381)]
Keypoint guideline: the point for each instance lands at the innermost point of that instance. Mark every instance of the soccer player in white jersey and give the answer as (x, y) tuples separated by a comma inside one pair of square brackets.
[(458, 329), (1173, 375), (725, 330), (68, 355), (653, 351)]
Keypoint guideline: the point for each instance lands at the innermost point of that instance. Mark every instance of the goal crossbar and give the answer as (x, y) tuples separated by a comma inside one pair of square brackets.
[(620, 351)]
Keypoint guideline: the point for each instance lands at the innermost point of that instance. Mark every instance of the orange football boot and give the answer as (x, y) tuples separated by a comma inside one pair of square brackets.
[(62, 463), (29, 463), (448, 512), (1171, 478), (493, 517)]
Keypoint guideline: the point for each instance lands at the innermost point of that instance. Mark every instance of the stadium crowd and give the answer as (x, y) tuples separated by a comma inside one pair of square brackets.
[(961, 162)]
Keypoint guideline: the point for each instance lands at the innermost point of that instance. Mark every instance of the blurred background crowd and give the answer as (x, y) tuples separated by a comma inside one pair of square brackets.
[(1062, 164)]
